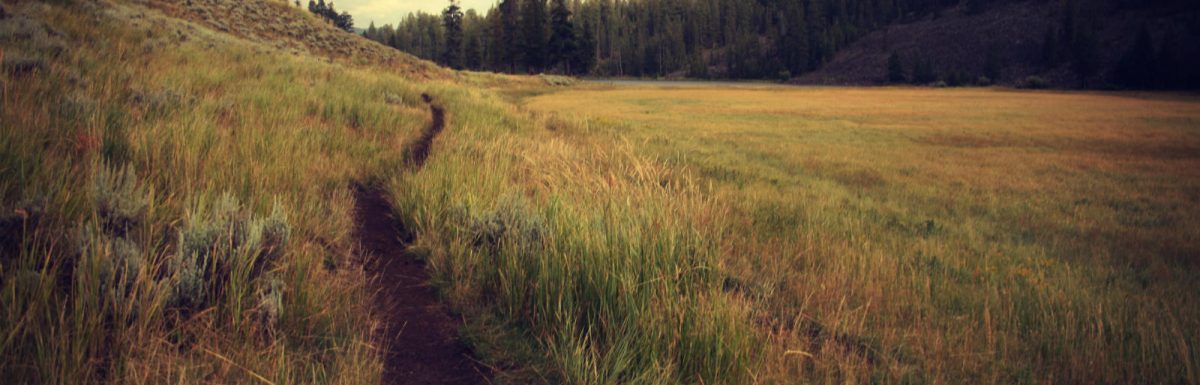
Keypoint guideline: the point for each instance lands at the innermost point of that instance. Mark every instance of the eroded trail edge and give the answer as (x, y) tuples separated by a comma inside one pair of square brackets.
[(419, 335), (418, 152)]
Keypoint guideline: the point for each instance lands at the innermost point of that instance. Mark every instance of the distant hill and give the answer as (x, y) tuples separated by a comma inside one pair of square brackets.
[(281, 25), (1012, 39)]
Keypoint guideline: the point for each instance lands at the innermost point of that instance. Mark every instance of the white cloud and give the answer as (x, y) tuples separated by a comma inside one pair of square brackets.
[(392, 11)]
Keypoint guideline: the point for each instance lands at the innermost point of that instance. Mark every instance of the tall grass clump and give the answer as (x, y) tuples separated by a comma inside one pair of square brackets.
[(602, 265)]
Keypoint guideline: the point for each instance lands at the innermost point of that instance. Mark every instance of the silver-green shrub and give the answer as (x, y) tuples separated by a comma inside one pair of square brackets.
[(270, 306), (223, 247), (119, 200), (513, 223)]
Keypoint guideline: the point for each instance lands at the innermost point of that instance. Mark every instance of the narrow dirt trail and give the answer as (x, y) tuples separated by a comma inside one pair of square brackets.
[(420, 336), (419, 151)]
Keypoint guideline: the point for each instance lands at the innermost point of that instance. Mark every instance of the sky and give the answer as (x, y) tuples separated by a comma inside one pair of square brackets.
[(391, 11)]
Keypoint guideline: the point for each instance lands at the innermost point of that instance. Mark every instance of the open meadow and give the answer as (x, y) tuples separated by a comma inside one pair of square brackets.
[(978, 236)]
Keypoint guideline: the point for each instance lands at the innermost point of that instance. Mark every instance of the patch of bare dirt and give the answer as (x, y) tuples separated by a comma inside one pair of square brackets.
[(420, 337), (419, 151), (419, 334)]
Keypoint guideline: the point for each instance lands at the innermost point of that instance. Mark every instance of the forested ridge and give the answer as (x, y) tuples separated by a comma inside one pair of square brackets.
[(735, 39)]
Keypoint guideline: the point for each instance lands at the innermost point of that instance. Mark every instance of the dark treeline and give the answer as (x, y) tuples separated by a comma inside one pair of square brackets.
[(741, 39), (694, 38)]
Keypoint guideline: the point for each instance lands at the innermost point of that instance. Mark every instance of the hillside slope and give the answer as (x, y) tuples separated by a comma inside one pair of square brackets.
[(1014, 35), (288, 29), (175, 201)]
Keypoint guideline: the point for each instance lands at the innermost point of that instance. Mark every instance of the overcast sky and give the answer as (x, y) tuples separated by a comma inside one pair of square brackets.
[(391, 11)]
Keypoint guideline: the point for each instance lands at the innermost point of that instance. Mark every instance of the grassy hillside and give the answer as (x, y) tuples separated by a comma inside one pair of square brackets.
[(280, 25), (175, 203)]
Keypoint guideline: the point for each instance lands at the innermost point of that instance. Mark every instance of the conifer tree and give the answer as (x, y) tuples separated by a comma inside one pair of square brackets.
[(452, 18), (533, 34), (562, 36), (992, 65), (923, 72), (1137, 67), (510, 33), (344, 21), (1050, 47), (895, 69), (584, 57)]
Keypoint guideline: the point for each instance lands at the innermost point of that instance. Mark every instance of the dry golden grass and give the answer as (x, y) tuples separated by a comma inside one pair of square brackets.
[(608, 236), (982, 236)]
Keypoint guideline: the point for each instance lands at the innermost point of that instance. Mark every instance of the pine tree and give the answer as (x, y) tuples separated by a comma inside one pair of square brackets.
[(1172, 69), (562, 36), (473, 53), (452, 18), (975, 7), (584, 58), (1050, 48), (533, 34), (992, 66), (1137, 68), (510, 34), (923, 72), (474, 34), (1086, 51), (1070, 16), (895, 69), (327, 11), (344, 21)]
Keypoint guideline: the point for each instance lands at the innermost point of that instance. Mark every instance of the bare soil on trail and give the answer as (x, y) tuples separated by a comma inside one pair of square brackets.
[(419, 335), (419, 151)]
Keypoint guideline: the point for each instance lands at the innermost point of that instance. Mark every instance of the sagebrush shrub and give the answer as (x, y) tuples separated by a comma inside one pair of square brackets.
[(1035, 83), (108, 246), (270, 306), (75, 107), (512, 223), (23, 65), (121, 267), (120, 202), (392, 98), (269, 235), (108, 271), (159, 103), (223, 246)]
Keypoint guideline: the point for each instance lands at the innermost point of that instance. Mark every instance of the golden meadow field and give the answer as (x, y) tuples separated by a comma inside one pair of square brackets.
[(961, 236), (586, 234)]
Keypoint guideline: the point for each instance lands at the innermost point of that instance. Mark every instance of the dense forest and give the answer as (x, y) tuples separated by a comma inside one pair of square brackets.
[(738, 39)]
